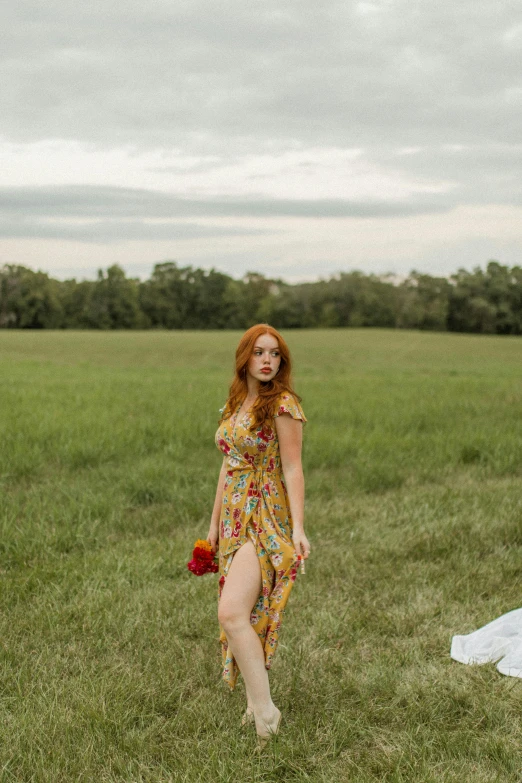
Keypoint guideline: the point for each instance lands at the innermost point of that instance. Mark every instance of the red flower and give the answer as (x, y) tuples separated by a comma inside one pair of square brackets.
[(204, 561), (266, 435), (202, 555), (223, 445), (196, 567)]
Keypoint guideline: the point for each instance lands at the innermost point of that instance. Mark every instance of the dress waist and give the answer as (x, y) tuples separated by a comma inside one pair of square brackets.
[(255, 470)]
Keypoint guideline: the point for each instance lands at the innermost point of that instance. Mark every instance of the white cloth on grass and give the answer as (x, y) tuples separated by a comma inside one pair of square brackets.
[(500, 640)]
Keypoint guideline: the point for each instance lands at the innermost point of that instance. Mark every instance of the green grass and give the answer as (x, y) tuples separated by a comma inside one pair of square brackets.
[(109, 659)]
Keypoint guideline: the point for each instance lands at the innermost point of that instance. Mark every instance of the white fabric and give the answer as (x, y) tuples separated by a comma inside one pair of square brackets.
[(500, 639)]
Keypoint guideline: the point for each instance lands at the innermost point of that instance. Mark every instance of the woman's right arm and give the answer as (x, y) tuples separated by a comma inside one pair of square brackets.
[(213, 533)]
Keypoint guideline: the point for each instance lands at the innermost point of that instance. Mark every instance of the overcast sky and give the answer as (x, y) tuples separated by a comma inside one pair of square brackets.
[(294, 138)]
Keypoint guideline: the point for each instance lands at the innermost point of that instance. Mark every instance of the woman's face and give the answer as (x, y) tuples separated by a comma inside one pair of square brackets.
[(265, 360)]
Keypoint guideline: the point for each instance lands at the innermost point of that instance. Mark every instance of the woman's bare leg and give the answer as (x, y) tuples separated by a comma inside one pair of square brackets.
[(240, 592)]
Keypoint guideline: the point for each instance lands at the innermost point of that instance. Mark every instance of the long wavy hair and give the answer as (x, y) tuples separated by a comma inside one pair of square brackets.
[(269, 391)]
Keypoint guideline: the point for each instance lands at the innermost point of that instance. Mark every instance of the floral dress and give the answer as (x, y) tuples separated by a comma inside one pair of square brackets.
[(256, 507)]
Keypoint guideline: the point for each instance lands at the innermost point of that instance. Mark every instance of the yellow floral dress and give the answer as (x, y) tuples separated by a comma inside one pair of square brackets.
[(255, 506)]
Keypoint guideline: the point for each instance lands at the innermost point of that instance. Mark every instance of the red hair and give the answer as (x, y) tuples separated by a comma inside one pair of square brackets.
[(269, 392)]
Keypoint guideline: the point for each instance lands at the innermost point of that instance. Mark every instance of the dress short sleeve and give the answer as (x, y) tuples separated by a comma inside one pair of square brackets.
[(287, 403)]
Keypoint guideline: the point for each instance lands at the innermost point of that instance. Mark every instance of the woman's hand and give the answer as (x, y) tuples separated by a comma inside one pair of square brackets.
[(301, 543), (213, 535)]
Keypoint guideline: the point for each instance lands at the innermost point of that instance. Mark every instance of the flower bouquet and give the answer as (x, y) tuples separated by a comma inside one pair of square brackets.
[(203, 559)]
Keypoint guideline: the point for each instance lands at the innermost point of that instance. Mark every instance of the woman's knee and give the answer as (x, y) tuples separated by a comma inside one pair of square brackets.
[(230, 615)]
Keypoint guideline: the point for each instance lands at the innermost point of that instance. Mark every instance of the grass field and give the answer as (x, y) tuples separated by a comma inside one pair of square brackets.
[(110, 665)]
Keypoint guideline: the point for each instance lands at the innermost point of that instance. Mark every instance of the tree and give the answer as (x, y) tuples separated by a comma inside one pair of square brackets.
[(114, 302), (424, 302), (28, 300), (175, 297), (487, 301)]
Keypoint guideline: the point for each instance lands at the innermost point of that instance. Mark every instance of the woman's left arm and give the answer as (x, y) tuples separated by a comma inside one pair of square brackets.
[(290, 436)]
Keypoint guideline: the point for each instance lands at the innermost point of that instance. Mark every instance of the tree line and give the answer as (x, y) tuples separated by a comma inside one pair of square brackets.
[(182, 297)]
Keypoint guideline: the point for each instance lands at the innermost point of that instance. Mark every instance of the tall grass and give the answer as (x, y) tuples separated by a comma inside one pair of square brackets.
[(110, 667)]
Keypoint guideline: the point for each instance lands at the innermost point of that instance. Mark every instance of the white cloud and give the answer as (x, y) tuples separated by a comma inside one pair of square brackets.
[(181, 124), (300, 248)]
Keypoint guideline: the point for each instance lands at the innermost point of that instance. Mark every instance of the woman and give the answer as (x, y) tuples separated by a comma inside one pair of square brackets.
[(258, 518)]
